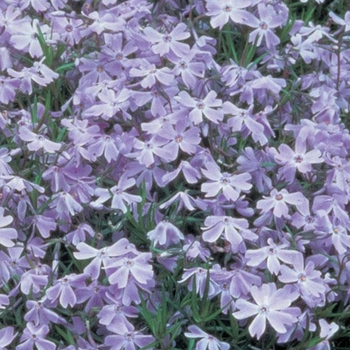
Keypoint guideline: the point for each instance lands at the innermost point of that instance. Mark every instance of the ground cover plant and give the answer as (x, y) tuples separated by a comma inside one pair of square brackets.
[(174, 174)]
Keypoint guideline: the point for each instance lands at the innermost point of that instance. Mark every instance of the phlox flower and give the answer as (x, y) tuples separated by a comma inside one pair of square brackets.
[(104, 21), (327, 330), (40, 312), (244, 118), (25, 37), (222, 11), (150, 148), (230, 185), (35, 336), (278, 202), (6, 234), (125, 337), (163, 43), (207, 341), (272, 253), (232, 229), (102, 257), (152, 74), (190, 173), (268, 21), (110, 104), (37, 142), (65, 205), (115, 312), (68, 28), (80, 131), (305, 277), (120, 199), (20, 184), (124, 268), (80, 234), (180, 138), (270, 304), (62, 289), (184, 201), (146, 174), (188, 68), (105, 145), (165, 234), (4, 301), (12, 263), (299, 159), (193, 249), (200, 275), (200, 107), (34, 280), (8, 89), (343, 22), (6, 337), (44, 224), (251, 161)]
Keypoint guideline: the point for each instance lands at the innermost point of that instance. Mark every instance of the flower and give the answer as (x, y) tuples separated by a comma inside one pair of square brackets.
[(278, 200), (62, 289), (119, 197), (230, 185), (6, 234), (35, 335), (37, 142), (296, 160), (269, 20), (222, 11), (165, 234), (124, 268), (307, 279), (272, 305), (6, 337), (163, 43), (272, 254), (200, 107), (125, 337), (208, 342)]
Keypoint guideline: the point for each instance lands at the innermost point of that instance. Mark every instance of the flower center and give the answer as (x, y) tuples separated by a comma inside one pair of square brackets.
[(298, 159), (263, 25), (200, 105), (263, 309), (178, 138), (227, 8), (167, 38), (302, 277), (69, 28), (279, 196)]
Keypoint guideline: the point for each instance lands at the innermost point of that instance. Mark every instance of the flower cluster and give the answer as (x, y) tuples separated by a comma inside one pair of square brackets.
[(174, 174)]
